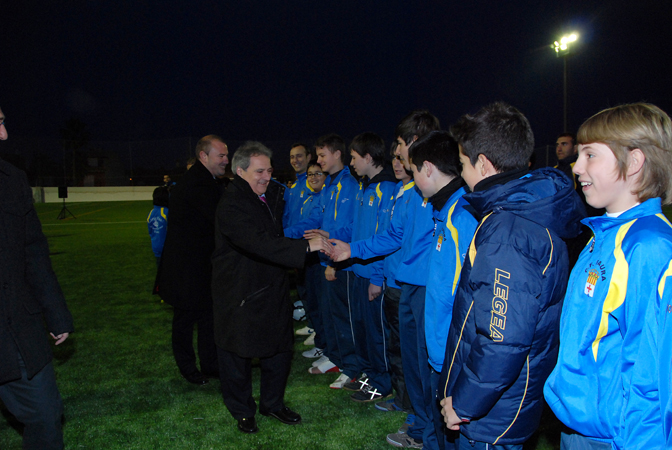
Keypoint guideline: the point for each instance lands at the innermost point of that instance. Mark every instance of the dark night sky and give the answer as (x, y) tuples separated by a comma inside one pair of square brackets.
[(292, 70)]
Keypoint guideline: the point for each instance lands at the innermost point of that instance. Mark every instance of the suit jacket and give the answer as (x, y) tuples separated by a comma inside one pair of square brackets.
[(29, 291), (253, 313), (183, 279)]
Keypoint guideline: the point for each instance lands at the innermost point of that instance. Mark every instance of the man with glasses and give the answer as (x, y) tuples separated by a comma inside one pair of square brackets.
[(31, 297)]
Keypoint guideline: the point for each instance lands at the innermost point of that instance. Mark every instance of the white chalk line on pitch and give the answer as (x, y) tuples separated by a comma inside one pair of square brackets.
[(87, 223)]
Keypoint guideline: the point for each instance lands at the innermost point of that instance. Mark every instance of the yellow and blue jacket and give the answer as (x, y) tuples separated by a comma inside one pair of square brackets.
[(373, 206), (611, 286), (295, 197), (454, 228)]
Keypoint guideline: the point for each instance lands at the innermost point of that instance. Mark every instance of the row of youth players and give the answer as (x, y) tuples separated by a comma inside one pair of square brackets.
[(508, 232), (493, 163)]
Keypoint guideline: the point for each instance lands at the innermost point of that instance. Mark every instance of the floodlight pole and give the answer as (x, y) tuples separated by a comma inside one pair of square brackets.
[(562, 49), (564, 93)]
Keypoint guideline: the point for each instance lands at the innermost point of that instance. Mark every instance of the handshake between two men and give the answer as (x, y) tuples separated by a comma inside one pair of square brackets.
[(337, 251)]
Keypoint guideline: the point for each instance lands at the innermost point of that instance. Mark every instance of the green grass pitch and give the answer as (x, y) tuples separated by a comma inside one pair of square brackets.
[(120, 386)]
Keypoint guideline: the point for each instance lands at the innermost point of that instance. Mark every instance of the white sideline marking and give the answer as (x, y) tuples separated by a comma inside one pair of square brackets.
[(85, 223)]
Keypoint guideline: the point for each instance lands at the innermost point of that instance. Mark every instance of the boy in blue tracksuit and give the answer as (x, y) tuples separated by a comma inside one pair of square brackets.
[(414, 236), (401, 400), (436, 170), (599, 387), (157, 220), (333, 218), (373, 205), (503, 337)]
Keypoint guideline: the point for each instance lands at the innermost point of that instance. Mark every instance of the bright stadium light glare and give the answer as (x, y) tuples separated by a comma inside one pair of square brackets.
[(561, 48)]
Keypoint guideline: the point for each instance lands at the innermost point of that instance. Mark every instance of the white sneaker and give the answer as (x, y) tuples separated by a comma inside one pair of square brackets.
[(340, 381), (305, 331), (313, 353), (310, 340), (320, 360), (326, 367)]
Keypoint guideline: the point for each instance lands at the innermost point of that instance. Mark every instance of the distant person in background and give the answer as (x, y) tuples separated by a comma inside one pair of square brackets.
[(167, 182), (565, 150), (157, 221), (183, 279), (31, 297)]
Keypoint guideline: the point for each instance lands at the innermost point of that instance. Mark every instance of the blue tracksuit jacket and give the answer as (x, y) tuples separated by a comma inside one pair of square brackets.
[(373, 206), (157, 224), (399, 209), (650, 399), (612, 284), (295, 197), (453, 230), (412, 233)]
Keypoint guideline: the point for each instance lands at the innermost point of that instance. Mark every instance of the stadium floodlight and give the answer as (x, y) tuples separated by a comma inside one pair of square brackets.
[(561, 48)]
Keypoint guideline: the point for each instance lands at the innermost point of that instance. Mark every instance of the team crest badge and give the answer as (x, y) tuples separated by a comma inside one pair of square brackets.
[(371, 201), (591, 282), (424, 203), (301, 196), (439, 242)]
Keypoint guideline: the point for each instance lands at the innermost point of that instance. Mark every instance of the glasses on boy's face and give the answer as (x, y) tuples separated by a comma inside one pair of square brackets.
[(315, 174)]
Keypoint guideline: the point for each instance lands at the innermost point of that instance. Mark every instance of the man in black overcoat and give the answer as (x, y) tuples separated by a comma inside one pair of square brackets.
[(253, 313), (30, 297), (185, 270)]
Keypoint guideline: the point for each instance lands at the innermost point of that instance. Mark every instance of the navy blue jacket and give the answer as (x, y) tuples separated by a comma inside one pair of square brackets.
[(503, 338)]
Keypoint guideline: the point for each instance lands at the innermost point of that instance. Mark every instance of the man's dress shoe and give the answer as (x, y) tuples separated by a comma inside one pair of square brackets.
[(285, 415), (248, 425), (196, 378)]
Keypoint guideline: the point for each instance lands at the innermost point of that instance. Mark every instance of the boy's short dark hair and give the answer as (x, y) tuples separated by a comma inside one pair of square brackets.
[(499, 132), (415, 125), (438, 148), (370, 144), (332, 142), (313, 163), (161, 196), (639, 125)]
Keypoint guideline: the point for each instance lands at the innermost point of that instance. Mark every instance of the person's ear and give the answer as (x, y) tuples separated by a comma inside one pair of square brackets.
[(428, 167), (483, 164), (636, 160), (239, 171)]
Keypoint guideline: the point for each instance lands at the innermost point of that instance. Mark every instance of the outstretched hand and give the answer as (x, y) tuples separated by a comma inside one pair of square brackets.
[(309, 234), (340, 250), (320, 244)]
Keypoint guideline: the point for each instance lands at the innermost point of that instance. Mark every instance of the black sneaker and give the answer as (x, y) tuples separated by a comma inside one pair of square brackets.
[(356, 385), (368, 394)]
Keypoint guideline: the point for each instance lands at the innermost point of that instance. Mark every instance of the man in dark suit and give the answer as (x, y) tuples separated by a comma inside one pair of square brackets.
[(253, 314), (30, 296), (183, 279)]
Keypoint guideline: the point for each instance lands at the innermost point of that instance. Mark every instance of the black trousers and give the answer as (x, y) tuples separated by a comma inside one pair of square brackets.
[(36, 403), (236, 379), (183, 338), (391, 308)]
